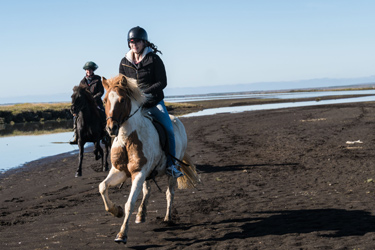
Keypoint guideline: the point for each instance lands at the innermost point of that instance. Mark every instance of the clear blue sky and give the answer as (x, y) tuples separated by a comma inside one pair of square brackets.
[(45, 43)]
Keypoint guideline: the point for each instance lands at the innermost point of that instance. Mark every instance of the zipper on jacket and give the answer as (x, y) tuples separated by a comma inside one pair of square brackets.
[(136, 71)]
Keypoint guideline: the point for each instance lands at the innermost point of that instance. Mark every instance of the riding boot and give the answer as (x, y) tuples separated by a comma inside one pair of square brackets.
[(75, 139), (173, 171)]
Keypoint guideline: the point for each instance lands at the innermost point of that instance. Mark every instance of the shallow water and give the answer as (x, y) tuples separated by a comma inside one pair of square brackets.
[(278, 106), (18, 150)]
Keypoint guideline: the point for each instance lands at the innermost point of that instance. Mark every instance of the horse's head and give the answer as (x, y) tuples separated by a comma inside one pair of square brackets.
[(81, 97), (121, 93)]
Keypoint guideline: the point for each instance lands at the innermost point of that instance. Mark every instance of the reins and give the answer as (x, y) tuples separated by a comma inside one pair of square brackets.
[(125, 118), (79, 107)]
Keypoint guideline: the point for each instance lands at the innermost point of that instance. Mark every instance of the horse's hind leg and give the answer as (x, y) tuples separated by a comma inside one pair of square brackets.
[(98, 151), (142, 210), (170, 195), (114, 178)]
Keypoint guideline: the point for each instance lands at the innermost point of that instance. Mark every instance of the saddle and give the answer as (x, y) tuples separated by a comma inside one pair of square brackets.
[(163, 135), (163, 139)]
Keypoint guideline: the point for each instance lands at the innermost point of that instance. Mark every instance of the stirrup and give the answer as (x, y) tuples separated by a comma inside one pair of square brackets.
[(75, 141)]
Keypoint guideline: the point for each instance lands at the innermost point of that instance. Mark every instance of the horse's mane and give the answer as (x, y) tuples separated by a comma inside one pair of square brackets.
[(130, 87), (83, 89)]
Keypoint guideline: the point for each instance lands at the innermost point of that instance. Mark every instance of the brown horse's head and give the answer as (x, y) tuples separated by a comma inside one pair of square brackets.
[(122, 94), (81, 98)]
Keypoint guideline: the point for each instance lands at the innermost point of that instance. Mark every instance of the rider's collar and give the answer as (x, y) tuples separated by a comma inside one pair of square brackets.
[(129, 56)]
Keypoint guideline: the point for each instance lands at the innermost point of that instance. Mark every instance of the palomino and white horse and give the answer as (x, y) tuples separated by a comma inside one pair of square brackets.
[(136, 151)]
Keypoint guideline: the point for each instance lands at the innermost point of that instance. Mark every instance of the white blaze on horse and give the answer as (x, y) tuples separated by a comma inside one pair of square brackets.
[(137, 153)]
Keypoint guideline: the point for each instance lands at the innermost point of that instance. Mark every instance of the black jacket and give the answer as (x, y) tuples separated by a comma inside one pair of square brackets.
[(150, 74), (96, 88)]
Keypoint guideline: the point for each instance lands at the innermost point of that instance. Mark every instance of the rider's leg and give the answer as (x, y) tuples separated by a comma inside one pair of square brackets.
[(75, 139), (161, 114)]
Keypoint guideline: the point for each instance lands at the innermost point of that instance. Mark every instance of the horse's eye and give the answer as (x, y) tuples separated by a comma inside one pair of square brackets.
[(122, 100)]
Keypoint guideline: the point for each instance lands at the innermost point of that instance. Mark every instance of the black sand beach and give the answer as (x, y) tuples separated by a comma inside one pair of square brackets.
[(278, 179)]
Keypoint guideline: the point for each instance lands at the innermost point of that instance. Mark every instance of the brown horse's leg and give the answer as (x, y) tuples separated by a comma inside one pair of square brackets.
[(142, 210), (101, 153), (81, 152), (107, 152), (98, 151)]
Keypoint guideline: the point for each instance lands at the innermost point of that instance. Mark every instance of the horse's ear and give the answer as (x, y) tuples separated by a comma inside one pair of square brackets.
[(123, 81), (105, 83)]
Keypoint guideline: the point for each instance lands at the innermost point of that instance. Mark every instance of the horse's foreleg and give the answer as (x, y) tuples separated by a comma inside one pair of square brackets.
[(142, 211), (170, 195), (81, 151), (101, 154), (129, 207), (107, 151), (114, 178)]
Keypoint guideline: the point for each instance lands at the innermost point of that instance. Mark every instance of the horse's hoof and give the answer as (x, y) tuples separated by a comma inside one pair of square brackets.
[(78, 174), (139, 220), (120, 239), (120, 212)]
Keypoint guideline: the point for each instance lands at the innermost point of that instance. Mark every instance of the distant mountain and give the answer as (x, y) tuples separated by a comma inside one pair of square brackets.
[(272, 86), (235, 88)]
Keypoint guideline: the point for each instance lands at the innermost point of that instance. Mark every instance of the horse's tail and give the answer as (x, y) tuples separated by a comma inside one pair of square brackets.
[(191, 177)]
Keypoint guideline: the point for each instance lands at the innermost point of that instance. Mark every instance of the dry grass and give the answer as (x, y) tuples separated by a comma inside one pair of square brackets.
[(27, 107), (34, 107)]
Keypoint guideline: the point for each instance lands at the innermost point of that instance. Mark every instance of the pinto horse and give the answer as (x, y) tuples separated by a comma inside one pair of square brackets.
[(90, 125), (137, 153)]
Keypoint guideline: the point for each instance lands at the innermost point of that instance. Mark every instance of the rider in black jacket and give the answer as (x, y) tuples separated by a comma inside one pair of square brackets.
[(94, 84), (149, 72), (143, 64)]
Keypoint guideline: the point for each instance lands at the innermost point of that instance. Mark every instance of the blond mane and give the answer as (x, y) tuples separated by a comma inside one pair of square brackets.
[(129, 86)]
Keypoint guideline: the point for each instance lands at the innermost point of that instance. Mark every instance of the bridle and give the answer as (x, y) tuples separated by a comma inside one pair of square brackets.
[(125, 118), (78, 107)]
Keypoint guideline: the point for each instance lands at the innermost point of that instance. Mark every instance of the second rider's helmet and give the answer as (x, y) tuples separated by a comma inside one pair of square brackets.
[(90, 65), (137, 33)]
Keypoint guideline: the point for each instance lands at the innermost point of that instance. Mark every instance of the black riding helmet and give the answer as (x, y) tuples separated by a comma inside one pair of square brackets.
[(90, 65), (137, 33)]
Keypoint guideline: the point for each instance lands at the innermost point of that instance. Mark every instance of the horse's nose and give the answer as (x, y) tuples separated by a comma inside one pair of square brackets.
[(112, 130), (114, 127)]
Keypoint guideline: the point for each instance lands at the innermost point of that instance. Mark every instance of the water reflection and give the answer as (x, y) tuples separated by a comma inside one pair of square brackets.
[(286, 95), (17, 150), (33, 127)]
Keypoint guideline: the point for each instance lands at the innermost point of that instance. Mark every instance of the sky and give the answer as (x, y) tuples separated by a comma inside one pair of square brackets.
[(44, 44)]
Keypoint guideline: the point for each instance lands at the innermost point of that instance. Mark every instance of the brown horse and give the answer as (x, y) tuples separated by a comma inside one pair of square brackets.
[(136, 151), (90, 126)]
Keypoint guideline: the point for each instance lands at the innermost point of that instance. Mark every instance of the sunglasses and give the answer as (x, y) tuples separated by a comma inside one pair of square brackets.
[(135, 40)]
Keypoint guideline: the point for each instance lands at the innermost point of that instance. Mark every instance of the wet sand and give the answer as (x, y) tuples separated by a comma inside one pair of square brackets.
[(276, 179)]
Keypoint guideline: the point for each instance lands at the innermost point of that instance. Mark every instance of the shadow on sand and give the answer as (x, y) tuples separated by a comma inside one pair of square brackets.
[(325, 222)]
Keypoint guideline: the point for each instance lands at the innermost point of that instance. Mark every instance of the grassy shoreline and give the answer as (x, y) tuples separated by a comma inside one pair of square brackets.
[(42, 112)]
